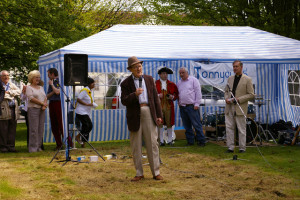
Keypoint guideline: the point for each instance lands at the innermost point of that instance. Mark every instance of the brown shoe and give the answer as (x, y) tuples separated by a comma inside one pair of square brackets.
[(158, 177), (137, 178)]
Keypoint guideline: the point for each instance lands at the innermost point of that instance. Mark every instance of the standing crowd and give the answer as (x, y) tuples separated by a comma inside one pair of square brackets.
[(35, 104), (149, 105)]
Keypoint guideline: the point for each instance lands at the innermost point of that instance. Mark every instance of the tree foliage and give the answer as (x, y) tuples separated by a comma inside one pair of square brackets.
[(276, 16), (31, 28)]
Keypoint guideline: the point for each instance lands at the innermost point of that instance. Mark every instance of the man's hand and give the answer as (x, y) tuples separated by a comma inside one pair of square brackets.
[(159, 121), (24, 89), (160, 95), (196, 107), (171, 97), (228, 101), (50, 82), (138, 91)]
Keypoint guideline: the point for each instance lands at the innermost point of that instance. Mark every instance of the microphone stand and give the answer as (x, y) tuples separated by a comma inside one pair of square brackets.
[(235, 157), (68, 157)]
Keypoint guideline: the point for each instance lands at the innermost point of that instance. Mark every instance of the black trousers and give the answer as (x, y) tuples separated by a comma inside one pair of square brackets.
[(8, 132), (86, 125)]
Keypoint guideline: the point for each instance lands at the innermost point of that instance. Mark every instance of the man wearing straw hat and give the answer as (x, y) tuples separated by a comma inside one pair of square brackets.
[(143, 115), (167, 92)]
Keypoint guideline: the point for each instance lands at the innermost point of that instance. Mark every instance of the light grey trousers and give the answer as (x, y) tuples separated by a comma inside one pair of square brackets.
[(36, 119), (147, 130), (232, 121)]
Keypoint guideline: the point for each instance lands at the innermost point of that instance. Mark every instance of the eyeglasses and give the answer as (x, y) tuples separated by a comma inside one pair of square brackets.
[(137, 67)]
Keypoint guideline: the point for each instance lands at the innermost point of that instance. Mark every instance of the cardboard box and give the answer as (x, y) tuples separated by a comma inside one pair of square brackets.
[(180, 133)]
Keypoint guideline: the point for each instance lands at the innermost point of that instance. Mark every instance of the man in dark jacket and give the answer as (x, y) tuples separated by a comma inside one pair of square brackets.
[(143, 115)]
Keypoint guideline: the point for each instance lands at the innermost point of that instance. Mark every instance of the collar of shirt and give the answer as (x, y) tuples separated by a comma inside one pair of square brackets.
[(143, 98), (6, 86), (136, 79)]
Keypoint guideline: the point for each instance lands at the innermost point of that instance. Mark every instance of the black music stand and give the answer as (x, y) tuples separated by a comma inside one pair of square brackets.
[(259, 100)]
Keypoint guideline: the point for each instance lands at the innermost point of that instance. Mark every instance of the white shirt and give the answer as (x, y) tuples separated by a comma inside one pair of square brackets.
[(143, 98), (83, 109), (163, 84)]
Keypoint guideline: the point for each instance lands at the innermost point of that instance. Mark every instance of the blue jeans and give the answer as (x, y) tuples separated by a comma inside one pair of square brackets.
[(191, 117)]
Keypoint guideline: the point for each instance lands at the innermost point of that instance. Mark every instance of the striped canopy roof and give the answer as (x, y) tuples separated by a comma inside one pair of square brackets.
[(213, 43)]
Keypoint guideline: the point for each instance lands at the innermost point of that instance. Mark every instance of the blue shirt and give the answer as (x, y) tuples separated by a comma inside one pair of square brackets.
[(54, 97)]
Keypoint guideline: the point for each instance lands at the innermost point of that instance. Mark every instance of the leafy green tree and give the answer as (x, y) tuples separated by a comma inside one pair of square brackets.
[(31, 28), (276, 16)]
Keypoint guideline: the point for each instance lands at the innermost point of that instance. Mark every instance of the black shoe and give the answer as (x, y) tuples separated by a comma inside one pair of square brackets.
[(162, 144), (242, 151), (229, 151), (200, 144), (170, 144), (12, 150), (4, 150), (189, 144), (56, 148)]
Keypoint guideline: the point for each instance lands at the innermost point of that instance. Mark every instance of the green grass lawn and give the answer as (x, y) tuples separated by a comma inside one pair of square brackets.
[(190, 173), (277, 159)]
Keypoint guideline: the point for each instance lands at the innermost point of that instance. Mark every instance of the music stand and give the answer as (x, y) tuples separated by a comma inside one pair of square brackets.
[(68, 157), (260, 101)]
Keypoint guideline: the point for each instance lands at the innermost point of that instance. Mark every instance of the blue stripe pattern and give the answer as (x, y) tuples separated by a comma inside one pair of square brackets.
[(175, 47), (111, 124)]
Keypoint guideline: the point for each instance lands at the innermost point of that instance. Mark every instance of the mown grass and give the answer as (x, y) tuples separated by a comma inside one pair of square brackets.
[(189, 172)]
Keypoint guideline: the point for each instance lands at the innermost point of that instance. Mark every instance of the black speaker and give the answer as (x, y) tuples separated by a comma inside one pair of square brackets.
[(76, 69)]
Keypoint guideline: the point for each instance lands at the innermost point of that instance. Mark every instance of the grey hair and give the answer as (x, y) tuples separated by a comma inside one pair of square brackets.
[(185, 69), (4, 71)]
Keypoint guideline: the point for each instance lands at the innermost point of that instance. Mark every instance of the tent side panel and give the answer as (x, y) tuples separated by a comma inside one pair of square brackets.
[(267, 84), (272, 83), (286, 110)]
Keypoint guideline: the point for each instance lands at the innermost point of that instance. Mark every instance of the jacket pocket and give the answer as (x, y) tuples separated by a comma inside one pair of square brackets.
[(6, 112)]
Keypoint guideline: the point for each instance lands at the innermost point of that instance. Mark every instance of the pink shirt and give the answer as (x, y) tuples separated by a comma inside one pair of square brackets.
[(35, 93), (189, 91)]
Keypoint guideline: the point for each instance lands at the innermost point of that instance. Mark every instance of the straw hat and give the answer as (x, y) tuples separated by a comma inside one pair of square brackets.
[(165, 69), (132, 61)]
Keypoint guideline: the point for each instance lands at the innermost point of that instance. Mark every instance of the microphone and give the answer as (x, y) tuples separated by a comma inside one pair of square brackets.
[(140, 82), (56, 81)]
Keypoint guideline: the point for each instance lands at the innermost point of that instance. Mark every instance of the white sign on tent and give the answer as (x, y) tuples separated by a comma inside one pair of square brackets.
[(217, 74)]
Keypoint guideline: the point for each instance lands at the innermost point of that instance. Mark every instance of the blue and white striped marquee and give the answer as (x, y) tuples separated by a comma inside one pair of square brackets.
[(175, 47)]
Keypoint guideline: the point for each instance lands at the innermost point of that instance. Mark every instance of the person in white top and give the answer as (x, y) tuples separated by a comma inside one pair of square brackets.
[(37, 104), (85, 103), (24, 99)]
